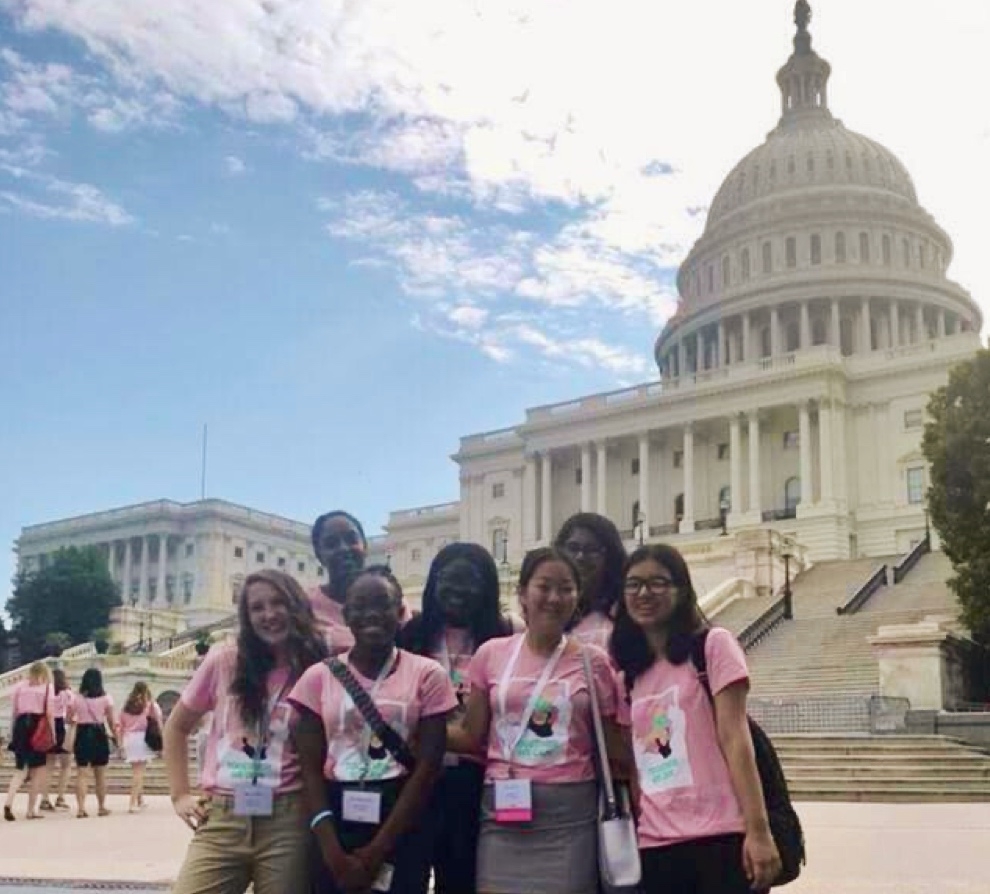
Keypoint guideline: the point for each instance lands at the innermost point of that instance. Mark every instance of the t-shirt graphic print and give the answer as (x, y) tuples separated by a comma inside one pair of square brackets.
[(544, 741), (352, 760), (659, 729)]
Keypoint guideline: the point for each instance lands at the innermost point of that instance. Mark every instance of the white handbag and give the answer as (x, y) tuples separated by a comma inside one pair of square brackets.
[(618, 848)]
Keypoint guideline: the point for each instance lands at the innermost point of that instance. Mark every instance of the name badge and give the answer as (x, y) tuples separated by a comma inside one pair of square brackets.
[(253, 800), (513, 801), (383, 881), (362, 807)]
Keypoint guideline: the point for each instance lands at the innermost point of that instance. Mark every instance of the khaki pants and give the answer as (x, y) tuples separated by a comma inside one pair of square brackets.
[(231, 852)]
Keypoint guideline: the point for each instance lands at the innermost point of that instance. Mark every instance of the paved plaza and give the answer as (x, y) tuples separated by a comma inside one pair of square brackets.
[(852, 848)]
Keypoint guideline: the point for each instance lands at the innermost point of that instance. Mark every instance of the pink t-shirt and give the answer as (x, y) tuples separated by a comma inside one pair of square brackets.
[(30, 699), (138, 723), (91, 710), (62, 703), (416, 688), (594, 629), (558, 742), (330, 621), (230, 748), (687, 791)]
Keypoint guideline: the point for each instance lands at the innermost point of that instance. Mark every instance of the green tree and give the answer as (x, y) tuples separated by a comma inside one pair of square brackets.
[(73, 595), (957, 444)]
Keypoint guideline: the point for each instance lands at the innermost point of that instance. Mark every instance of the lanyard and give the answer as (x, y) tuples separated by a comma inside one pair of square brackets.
[(541, 684), (264, 727), (444, 654), (348, 701)]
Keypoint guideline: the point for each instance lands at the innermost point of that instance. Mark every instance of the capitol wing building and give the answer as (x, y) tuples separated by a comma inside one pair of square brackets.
[(815, 319)]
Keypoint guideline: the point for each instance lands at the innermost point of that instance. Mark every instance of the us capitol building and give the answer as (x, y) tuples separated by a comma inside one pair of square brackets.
[(815, 319)]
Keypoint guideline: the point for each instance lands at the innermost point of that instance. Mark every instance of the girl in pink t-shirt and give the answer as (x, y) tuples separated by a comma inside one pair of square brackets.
[(529, 712), (341, 548), (364, 789), (59, 756), (703, 826), (249, 824), (595, 545), (132, 734), (92, 714), (32, 703), (461, 613)]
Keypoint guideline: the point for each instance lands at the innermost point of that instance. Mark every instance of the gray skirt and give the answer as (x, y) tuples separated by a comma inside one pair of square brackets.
[(557, 853)]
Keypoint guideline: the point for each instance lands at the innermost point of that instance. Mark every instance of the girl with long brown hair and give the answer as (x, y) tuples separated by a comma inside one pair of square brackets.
[(132, 733)]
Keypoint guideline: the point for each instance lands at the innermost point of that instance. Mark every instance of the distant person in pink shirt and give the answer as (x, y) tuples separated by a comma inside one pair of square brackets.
[(132, 734), (249, 824), (595, 545), (341, 548), (32, 704), (365, 788), (529, 713), (92, 713), (703, 826), (59, 756)]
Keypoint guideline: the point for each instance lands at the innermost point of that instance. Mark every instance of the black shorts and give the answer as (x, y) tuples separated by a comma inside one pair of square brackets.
[(92, 745), (25, 757), (703, 866)]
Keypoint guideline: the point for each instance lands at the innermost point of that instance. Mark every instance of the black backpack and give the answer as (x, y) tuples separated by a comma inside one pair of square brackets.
[(784, 823)]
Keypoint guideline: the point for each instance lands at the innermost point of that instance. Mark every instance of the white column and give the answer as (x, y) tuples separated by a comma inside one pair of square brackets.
[(825, 450), (162, 560), (774, 332), (586, 478), (602, 480), (920, 334), (805, 325), (125, 585), (865, 330), (720, 353), (681, 357), (755, 497), (840, 452), (530, 535), (112, 558), (687, 523), (644, 483), (546, 485), (835, 336), (747, 347), (941, 323), (804, 438), (895, 324), (143, 591), (735, 465)]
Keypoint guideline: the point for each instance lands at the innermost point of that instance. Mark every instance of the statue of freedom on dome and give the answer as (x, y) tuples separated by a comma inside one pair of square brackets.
[(802, 14)]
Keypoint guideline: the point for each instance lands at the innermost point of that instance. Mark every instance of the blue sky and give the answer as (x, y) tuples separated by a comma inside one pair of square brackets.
[(344, 236)]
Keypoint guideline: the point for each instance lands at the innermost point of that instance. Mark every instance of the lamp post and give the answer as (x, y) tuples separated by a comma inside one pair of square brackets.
[(640, 526), (141, 635), (723, 509), (504, 569), (788, 596)]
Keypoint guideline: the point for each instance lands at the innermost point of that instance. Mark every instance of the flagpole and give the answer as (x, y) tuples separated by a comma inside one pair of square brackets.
[(202, 479)]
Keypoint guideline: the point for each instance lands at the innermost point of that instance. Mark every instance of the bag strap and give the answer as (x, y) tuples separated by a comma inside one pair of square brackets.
[(393, 742), (700, 662), (608, 786)]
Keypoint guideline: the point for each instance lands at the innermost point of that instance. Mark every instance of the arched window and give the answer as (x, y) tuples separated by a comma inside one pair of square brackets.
[(710, 275), (745, 264), (791, 251), (792, 335), (906, 252), (767, 257), (725, 272), (922, 255), (885, 248), (725, 499), (792, 493), (840, 248), (679, 507), (816, 249), (864, 248), (818, 331), (766, 344)]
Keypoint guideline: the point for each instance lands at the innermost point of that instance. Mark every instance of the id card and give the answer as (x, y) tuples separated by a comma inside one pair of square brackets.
[(513, 801), (362, 807), (383, 881), (253, 800)]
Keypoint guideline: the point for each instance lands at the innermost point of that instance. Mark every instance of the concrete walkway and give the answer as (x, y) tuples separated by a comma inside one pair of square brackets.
[(852, 848)]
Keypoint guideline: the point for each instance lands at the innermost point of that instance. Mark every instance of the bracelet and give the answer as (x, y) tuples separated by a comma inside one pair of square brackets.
[(322, 815)]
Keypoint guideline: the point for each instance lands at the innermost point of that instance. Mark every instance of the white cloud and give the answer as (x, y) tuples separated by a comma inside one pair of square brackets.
[(234, 166), (54, 199), (468, 316)]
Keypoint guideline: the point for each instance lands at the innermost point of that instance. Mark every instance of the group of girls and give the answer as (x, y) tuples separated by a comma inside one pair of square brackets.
[(353, 748), (81, 724)]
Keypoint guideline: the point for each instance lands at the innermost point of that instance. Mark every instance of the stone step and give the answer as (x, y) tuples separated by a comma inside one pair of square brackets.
[(948, 786), (881, 770), (903, 795)]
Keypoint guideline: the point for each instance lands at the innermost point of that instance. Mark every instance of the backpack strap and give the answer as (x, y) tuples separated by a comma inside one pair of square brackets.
[(700, 661), (392, 741)]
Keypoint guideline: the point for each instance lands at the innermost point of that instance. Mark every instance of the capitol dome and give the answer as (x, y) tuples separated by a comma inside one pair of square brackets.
[(816, 216)]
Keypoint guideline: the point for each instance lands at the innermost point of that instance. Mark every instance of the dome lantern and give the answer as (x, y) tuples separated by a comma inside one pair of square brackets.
[(803, 80)]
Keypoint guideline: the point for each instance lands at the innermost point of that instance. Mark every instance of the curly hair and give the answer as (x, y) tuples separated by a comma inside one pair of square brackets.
[(609, 594), (139, 699), (423, 632), (255, 659)]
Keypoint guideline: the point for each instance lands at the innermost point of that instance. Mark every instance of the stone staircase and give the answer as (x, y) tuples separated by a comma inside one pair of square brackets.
[(118, 777), (883, 768)]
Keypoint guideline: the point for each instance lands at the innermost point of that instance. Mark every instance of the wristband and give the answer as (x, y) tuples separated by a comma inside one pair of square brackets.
[(322, 815)]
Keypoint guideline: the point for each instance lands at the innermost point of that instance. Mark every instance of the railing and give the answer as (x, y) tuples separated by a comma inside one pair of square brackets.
[(177, 639), (902, 568), (876, 581), (662, 530), (708, 524), (830, 714), (763, 626), (772, 515)]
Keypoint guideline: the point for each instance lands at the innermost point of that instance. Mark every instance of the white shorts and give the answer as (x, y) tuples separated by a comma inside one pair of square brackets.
[(135, 749)]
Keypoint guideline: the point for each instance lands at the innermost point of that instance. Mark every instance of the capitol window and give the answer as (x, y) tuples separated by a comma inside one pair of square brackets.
[(238, 552), (678, 459), (791, 251), (301, 567), (723, 451), (885, 249), (922, 256), (281, 562), (816, 249), (913, 419), (791, 440), (725, 271), (635, 466), (916, 485), (906, 252), (189, 549), (745, 263), (498, 491), (710, 276), (417, 555), (259, 557), (840, 248), (864, 248), (767, 257), (578, 475)]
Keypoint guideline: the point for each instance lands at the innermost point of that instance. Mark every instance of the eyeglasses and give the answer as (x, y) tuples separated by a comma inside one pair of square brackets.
[(655, 586), (573, 548)]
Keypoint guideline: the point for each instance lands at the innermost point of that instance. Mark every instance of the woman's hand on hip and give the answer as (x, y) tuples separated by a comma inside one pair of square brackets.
[(192, 811)]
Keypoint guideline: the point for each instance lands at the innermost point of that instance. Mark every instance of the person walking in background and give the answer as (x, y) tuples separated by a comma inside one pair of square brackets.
[(530, 711), (461, 612), (595, 545), (92, 714), (33, 706), (703, 826), (365, 789), (132, 734), (59, 757), (249, 824)]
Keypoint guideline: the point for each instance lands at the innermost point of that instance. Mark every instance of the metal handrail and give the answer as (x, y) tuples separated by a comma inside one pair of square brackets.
[(908, 562), (758, 630), (876, 581), (177, 639)]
